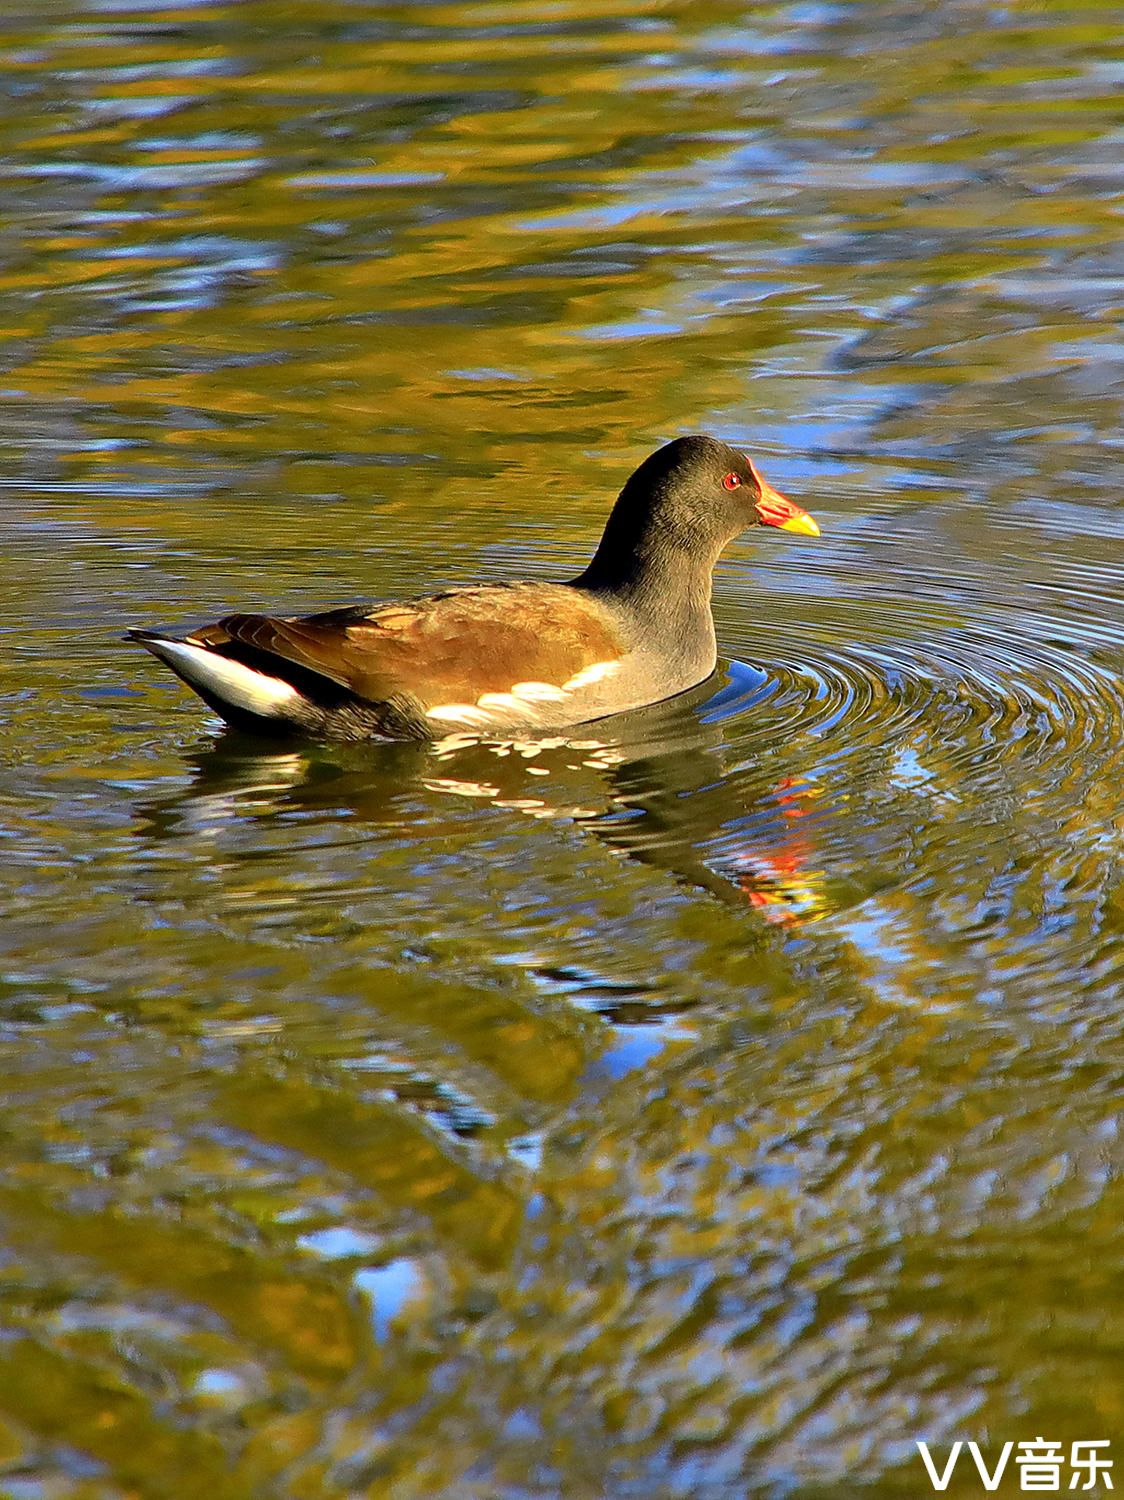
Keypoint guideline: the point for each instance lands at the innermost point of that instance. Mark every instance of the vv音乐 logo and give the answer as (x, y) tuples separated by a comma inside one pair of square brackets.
[(1041, 1465)]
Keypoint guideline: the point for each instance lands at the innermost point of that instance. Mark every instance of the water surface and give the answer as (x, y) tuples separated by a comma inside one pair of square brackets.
[(709, 1104)]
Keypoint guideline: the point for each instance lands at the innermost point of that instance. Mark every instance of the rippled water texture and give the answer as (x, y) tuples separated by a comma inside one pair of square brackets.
[(709, 1104)]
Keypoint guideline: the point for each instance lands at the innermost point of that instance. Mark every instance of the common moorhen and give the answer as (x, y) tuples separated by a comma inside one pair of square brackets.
[(636, 627)]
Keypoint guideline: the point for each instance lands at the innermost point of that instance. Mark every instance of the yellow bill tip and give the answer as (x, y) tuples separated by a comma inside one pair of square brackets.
[(803, 523)]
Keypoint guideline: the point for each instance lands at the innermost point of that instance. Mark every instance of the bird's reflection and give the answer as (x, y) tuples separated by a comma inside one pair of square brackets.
[(664, 786)]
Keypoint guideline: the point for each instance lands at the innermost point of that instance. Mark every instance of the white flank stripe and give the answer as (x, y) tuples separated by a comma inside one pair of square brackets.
[(240, 686), (495, 708), (459, 713), (507, 703), (589, 675), (538, 692)]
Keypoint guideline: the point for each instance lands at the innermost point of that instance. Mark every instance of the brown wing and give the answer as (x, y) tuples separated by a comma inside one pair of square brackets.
[(446, 648)]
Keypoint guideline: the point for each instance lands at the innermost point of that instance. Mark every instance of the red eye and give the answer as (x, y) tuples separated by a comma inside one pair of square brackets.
[(732, 481)]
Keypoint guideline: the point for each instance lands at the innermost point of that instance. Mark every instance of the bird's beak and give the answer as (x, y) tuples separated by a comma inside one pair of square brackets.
[(801, 521), (775, 509)]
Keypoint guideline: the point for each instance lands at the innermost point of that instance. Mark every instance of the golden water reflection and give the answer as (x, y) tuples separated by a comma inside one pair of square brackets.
[(708, 1104)]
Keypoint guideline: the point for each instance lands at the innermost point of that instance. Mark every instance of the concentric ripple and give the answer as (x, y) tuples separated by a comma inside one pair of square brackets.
[(922, 743), (977, 695)]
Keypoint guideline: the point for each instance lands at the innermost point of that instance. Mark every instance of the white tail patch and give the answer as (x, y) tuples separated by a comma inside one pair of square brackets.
[(241, 687)]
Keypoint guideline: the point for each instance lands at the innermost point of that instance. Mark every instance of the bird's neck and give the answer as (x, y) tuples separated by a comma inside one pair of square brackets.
[(664, 584), (648, 547)]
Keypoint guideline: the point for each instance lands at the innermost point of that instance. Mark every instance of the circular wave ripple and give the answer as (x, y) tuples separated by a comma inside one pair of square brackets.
[(976, 694)]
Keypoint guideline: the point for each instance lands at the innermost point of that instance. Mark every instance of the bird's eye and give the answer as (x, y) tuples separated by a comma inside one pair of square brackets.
[(732, 481)]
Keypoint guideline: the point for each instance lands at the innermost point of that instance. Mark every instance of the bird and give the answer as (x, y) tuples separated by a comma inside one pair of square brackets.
[(498, 659)]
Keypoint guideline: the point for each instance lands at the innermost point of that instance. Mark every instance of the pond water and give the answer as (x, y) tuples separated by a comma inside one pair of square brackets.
[(711, 1104)]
